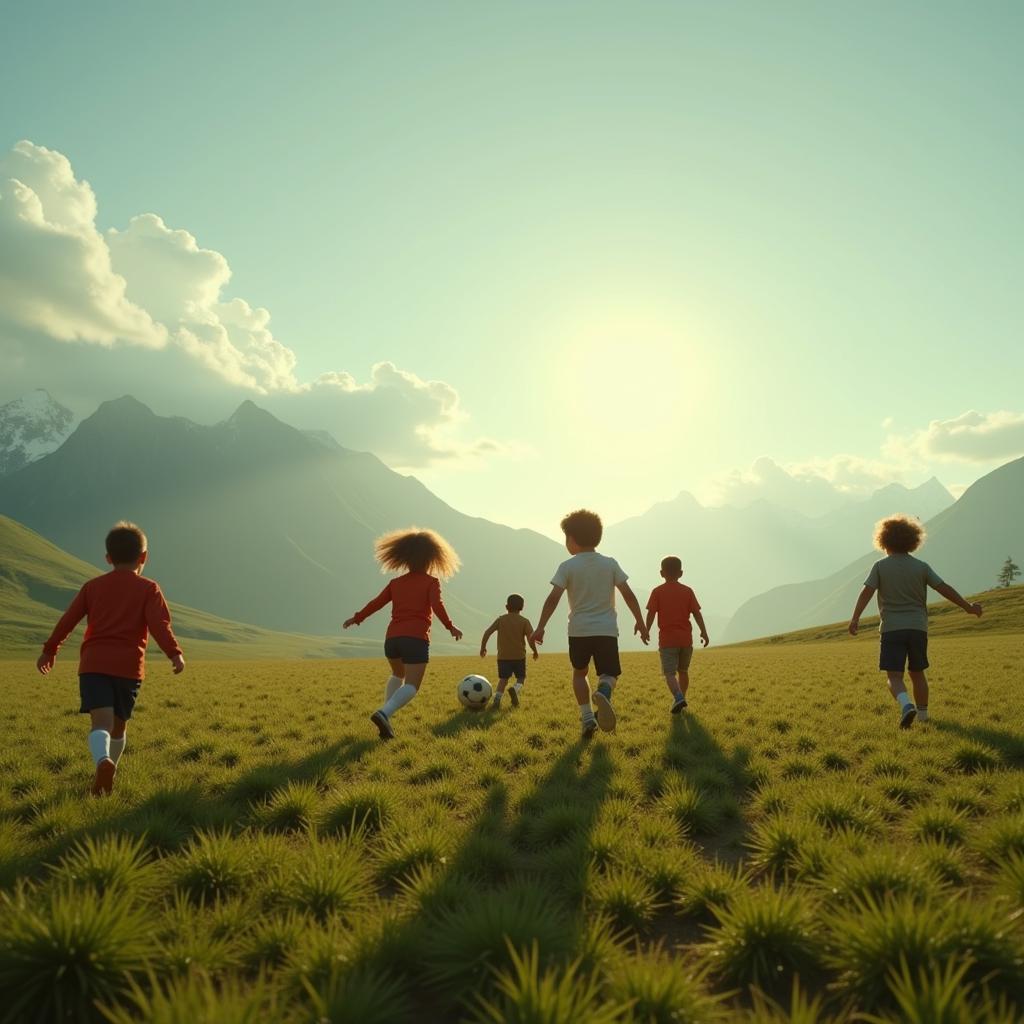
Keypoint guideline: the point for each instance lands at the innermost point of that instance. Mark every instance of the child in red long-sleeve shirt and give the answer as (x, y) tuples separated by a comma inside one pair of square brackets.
[(413, 596), (122, 608)]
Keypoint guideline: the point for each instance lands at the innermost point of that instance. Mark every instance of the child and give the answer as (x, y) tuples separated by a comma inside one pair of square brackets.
[(514, 631), (902, 583), (673, 603), (122, 608), (413, 596), (591, 580)]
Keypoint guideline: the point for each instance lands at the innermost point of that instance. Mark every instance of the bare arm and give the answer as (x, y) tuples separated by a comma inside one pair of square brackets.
[(634, 606), (700, 625), (651, 616), (951, 595), (530, 640), (550, 604), (862, 602), (488, 633)]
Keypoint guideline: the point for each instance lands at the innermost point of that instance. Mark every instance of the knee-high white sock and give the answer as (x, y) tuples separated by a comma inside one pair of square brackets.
[(390, 686), (117, 747), (99, 744), (608, 681), (399, 699), (586, 712)]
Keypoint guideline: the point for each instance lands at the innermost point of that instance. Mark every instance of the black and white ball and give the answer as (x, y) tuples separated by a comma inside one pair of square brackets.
[(474, 692)]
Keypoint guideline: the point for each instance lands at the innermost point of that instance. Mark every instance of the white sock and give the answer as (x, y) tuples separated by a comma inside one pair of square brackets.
[(99, 744), (922, 712), (117, 747), (399, 699), (497, 696), (608, 681), (586, 712), (518, 687), (390, 686), (905, 701)]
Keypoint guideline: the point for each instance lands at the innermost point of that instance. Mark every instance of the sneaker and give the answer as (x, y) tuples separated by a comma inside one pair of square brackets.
[(380, 720), (922, 714), (513, 695), (103, 783), (605, 712), (589, 728), (908, 716), (679, 704)]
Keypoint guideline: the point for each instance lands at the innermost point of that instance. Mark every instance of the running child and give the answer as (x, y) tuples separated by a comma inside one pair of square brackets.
[(591, 580), (673, 603), (122, 609), (901, 582), (514, 632), (413, 597)]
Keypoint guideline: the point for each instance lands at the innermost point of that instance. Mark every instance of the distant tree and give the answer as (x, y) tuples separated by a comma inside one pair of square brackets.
[(1009, 572)]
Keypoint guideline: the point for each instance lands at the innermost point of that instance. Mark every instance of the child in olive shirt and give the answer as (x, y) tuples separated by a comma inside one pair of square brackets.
[(901, 582), (514, 631)]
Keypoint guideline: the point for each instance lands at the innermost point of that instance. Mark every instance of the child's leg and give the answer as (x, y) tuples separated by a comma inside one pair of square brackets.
[(581, 688), (101, 726), (502, 683), (920, 684), (669, 666), (395, 679), (408, 689), (897, 688), (118, 738)]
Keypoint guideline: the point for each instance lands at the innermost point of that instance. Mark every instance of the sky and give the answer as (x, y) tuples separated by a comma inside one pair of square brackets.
[(539, 255)]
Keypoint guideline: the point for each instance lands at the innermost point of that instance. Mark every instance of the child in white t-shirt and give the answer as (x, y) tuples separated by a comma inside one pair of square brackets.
[(591, 580)]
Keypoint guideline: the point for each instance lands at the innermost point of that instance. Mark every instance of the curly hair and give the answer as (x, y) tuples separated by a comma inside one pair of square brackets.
[(418, 551), (125, 543), (584, 527), (899, 535)]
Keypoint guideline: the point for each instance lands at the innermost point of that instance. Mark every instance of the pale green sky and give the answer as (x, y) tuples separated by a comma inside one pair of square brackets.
[(648, 242)]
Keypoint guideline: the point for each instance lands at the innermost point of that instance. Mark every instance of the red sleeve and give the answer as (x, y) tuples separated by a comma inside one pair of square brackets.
[(652, 601), (71, 618), (375, 605), (438, 605), (158, 619)]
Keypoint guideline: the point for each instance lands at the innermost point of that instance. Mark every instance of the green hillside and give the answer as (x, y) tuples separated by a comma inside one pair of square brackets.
[(38, 581), (1003, 613)]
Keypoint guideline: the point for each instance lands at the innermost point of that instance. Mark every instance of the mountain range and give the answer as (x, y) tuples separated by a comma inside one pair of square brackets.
[(30, 427), (966, 544)]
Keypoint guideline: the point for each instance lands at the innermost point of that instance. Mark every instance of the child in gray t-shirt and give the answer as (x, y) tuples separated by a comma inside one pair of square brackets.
[(901, 582)]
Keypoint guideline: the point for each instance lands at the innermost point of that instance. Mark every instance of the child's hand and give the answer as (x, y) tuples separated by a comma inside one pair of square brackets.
[(536, 655), (44, 663), (178, 664), (483, 652), (975, 610), (704, 640), (349, 622), (641, 630), (854, 625), (456, 632), (537, 636)]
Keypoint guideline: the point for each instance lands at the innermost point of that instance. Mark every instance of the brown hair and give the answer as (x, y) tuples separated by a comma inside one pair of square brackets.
[(418, 551), (584, 527), (125, 543), (515, 603), (672, 565), (899, 535)]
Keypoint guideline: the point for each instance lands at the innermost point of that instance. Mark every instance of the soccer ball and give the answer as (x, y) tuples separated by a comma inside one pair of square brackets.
[(474, 692)]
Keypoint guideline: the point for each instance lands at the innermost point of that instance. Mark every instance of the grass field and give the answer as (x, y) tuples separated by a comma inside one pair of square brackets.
[(781, 851)]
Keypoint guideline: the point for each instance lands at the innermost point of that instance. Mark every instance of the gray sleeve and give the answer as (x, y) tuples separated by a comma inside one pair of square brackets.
[(619, 575), (873, 580), (561, 577), (932, 578)]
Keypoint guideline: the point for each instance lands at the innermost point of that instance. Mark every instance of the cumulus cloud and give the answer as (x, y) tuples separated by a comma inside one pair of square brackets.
[(969, 437), (144, 310), (813, 487)]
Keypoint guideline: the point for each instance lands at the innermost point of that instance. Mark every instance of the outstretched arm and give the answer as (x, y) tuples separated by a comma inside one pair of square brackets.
[(951, 595), (374, 606), (550, 604), (634, 606), (862, 602), (703, 629)]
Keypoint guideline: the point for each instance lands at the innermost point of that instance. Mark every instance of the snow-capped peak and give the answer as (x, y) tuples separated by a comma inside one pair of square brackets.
[(30, 427)]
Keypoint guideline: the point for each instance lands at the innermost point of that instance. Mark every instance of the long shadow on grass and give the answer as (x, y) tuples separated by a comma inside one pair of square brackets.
[(1009, 745), (169, 816), (709, 803), (464, 721)]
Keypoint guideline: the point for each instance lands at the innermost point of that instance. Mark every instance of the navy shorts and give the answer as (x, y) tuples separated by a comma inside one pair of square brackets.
[(512, 667), (903, 648), (100, 691), (410, 650), (603, 649)]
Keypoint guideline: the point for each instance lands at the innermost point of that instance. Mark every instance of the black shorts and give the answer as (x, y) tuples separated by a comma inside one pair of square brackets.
[(100, 691), (903, 648), (603, 649), (410, 650), (512, 667)]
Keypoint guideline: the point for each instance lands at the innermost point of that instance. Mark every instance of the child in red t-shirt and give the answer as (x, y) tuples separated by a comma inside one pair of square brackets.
[(122, 608), (413, 597), (673, 603)]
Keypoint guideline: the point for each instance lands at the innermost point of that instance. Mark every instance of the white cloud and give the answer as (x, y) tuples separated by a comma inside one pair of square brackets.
[(143, 310), (969, 437)]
